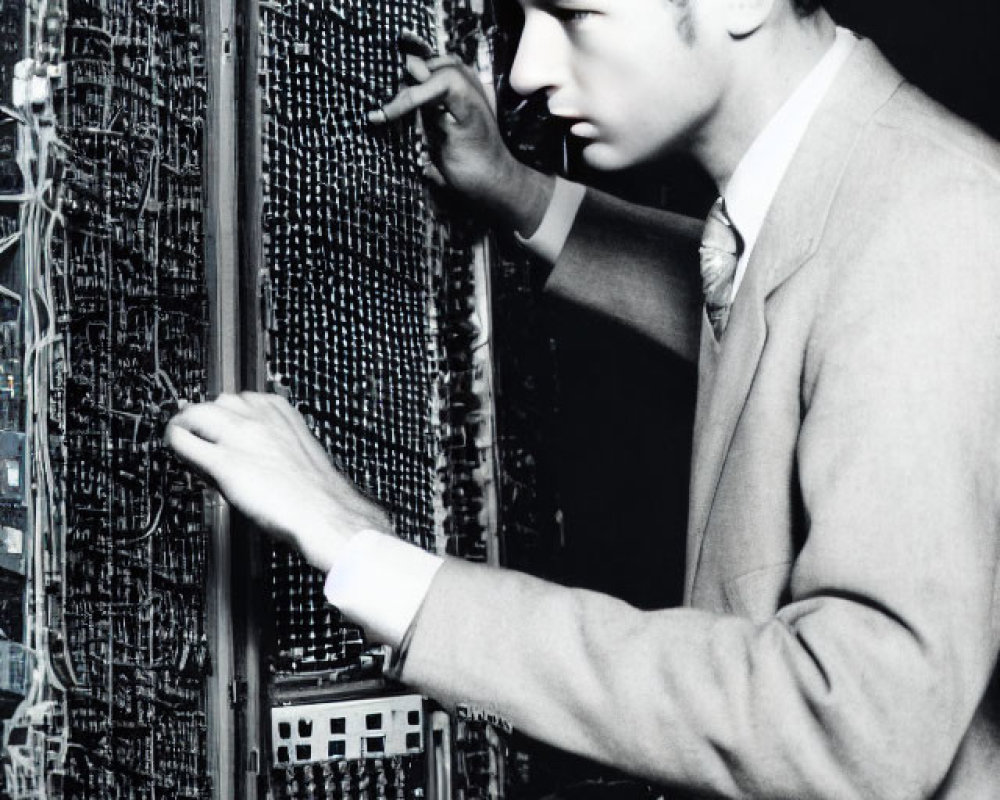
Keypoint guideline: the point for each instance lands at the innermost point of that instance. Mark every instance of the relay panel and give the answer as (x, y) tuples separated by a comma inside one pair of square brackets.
[(375, 323), (352, 729), (102, 330), (373, 314)]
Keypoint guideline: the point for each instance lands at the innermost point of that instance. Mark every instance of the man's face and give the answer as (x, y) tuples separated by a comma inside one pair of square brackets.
[(635, 77)]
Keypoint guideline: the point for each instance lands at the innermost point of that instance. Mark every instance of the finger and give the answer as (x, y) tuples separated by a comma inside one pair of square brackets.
[(233, 402), (410, 42), (409, 100), (209, 421), (436, 63), (417, 68), (258, 400), (261, 407), (461, 69), (191, 448)]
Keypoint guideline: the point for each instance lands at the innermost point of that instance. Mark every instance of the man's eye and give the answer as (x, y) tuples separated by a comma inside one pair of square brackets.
[(567, 15)]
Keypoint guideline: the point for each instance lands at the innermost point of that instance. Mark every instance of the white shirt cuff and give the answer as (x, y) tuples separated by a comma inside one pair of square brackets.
[(379, 582), (547, 242)]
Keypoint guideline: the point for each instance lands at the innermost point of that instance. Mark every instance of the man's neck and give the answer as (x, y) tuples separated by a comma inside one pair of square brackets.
[(769, 66)]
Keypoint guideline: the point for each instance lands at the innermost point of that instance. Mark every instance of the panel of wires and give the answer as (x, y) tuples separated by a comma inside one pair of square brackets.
[(353, 729), (481, 759), (374, 748), (12, 512), (394, 778), (368, 298), (346, 240), (12, 31), (110, 112), (372, 294)]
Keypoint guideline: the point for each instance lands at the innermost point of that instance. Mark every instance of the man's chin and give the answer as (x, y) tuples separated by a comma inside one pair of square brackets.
[(601, 156)]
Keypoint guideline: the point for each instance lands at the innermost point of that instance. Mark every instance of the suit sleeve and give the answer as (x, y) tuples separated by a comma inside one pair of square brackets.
[(864, 683), (636, 265)]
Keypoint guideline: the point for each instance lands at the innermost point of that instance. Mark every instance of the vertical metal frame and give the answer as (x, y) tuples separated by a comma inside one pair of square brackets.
[(220, 188), (250, 690)]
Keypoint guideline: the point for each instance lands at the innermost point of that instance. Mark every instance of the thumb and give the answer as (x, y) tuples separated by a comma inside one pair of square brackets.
[(434, 175), (417, 68)]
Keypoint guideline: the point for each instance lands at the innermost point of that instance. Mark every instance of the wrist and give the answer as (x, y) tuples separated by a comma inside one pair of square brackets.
[(322, 543), (523, 197)]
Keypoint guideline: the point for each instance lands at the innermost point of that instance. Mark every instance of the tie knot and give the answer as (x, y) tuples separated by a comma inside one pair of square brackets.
[(719, 232), (720, 253)]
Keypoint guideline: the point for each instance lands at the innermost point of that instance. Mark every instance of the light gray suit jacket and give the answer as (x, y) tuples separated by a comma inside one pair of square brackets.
[(845, 501)]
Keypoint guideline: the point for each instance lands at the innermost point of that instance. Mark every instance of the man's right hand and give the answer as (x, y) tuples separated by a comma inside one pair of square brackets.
[(468, 154)]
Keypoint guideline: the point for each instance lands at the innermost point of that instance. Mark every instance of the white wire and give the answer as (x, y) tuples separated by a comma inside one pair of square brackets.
[(45, 696)]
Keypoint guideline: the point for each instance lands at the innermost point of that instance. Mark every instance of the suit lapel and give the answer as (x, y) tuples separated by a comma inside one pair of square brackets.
[(725, 375), (787, 240)]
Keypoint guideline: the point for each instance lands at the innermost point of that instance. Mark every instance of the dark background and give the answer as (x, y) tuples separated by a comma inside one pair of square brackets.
[(947, 49)]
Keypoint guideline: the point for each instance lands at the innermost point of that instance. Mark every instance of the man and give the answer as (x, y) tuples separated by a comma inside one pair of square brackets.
[(842, 577)]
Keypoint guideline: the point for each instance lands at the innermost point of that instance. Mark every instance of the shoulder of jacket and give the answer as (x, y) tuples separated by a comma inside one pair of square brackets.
[(937, 141)]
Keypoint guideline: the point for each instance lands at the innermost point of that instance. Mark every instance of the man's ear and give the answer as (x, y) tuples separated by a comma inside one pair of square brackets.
[(745, 17)]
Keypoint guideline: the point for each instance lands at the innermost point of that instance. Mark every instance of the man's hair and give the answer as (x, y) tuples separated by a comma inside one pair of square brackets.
[(802, 7), (806, 7)]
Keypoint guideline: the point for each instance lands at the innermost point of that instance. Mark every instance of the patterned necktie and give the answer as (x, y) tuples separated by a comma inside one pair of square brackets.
[(720, 250)]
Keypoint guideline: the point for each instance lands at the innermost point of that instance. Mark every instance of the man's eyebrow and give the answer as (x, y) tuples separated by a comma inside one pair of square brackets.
[(548, 5)]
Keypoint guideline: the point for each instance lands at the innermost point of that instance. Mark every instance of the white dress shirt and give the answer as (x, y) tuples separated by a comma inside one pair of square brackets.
[(380, 581), (755, 180)]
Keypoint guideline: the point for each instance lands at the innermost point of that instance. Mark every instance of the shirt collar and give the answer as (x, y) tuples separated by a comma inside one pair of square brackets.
[(755, 181)]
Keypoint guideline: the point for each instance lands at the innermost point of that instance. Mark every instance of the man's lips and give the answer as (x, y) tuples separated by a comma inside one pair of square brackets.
[(584, 130), (576, 123)]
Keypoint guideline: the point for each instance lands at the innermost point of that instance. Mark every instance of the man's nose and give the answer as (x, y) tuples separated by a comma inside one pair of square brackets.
[(540, 60)]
